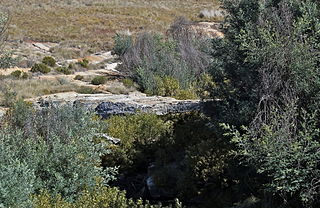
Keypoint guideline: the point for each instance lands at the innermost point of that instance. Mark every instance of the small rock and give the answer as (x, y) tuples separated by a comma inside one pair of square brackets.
[(41, 46), (111, 139)]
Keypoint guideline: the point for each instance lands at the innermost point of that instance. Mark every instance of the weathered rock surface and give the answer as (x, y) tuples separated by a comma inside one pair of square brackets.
[(111, 104)]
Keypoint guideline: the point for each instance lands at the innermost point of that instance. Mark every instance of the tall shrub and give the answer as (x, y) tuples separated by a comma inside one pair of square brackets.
[(57, 147)]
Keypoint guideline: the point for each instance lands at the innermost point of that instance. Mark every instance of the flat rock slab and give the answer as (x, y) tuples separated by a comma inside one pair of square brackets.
[(111, 104)]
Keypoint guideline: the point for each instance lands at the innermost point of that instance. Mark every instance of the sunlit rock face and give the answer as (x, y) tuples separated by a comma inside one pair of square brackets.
[(111, 104)]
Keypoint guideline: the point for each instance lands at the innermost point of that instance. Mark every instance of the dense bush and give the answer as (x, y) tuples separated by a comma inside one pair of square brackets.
[(100, 197), (49, 61), (137, 133), (180, 56), (16, 176), (129, 83), (16, 74), (122, 44), (24, 75), (79, 77), (83, 63), (64, 70), (98, 80), (40, 68), (286, 154), (266, 73), (56, 150)]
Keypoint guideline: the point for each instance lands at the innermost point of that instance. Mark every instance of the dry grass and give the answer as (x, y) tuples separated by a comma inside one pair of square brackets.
[(30, 88), (95, 22)]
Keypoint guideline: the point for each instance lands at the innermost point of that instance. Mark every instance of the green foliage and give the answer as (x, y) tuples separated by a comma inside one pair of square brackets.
[(98, 80), (6, 59), (269, 57), (264, 51), (207, 159), (57, 145), (129, 83), (286, 154), (49, 61), (24, 75), (64, 70), (40, 68), (19, 74), (71, 66), (16, 74), (16, 177), (189, 94), (87, 90), (205, 85), (193, 160), (79, 77), (166, 86), (122, 44), (9, 96), (137, 133), (178, 59), (83, 63), (100, 197)]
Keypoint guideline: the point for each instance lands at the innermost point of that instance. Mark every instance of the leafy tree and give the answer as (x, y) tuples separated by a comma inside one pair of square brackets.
[(267, 70), (268, 45)]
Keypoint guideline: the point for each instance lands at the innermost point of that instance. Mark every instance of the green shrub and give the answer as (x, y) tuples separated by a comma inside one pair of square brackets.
[(87, 90), (16, 74), (40, 68), (9, 96), (6, 59), (179, 56), (186, 95), (288, 156), (49, 61), (16, 176), (137, 133), (167, 86), (71, 66), (98, 80), (19, 74), (83, 63), (25, 75), (57, 145), (122, 44), (205, 85), (100, 197), (79, 77), (64, 70), (129, 83)]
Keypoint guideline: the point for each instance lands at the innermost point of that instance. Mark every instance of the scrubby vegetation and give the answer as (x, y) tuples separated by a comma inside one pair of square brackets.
[(42, 68), (63, 70), (98, 80), (16, 74), (255, 144), (83, 63), (79, 77), (166, 65), (49, 61)]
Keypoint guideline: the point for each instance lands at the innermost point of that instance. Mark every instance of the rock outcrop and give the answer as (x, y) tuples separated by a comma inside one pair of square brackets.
[(112, 104)]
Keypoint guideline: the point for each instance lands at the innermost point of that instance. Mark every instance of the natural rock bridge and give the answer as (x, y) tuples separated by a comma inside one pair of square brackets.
[(112, 104)]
